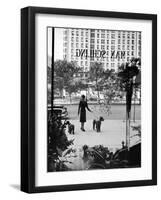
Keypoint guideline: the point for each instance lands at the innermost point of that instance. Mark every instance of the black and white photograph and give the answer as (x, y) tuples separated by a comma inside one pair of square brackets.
[(93, 99), (89, 99)]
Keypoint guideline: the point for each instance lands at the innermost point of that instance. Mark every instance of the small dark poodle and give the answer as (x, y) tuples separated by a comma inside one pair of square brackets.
[(97, 124), (71, 128)]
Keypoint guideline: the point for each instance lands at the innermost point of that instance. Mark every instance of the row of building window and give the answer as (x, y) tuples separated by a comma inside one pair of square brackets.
[(82, 34), (119, 47), (98, 33), (113, 36), (103, 47), (132, 42), (119, 41), (102, 37), (77, 39)]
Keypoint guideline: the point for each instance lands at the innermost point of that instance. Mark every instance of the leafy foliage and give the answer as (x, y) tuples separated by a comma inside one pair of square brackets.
[(96, 71), (126, 74), (95, 74), (64, 73), (57, 143)]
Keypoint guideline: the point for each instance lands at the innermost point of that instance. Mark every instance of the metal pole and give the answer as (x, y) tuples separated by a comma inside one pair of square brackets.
[(128, 116), (129, 131), (126, 128), (134, 104), (52, 73)]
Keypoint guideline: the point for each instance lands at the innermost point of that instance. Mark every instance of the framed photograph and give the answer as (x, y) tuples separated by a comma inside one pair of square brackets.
[(88, 99)]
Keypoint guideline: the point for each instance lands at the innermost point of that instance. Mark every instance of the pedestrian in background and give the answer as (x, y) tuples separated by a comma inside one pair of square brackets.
[(82, 111)]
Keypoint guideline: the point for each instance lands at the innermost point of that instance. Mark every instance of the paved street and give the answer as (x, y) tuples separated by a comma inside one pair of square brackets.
[(117, 112)]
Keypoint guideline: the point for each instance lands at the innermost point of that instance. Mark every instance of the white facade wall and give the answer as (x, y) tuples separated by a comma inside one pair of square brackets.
[(104, 40)]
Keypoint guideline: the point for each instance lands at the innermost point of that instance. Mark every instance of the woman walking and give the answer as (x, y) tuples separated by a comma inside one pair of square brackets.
[(82, 111)]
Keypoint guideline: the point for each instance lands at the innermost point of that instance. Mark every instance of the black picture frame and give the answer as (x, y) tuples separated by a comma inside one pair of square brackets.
[(28, 91)]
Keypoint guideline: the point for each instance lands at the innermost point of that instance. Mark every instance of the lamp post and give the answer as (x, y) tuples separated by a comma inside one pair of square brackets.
[(134, 98), (52, 74)]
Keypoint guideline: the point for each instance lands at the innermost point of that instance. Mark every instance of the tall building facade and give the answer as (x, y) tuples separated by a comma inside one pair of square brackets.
[(110, 47)]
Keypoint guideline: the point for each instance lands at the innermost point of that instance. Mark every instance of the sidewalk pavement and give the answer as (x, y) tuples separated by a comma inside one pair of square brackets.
[(113, 132)]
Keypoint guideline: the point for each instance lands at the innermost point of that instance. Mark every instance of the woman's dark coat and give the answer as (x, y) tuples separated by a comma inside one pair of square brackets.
[(82, 110)]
